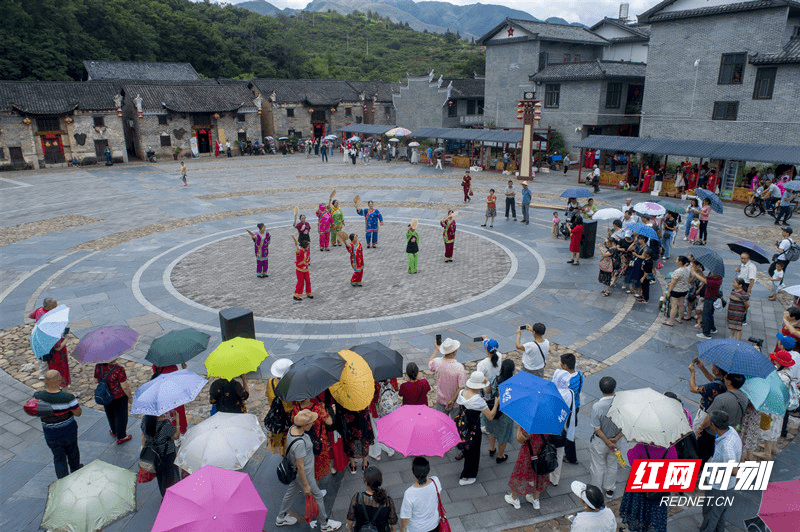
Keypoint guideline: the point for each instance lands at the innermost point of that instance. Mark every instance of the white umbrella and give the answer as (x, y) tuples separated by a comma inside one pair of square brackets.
[(394, 140), (48, 330), (167, 391), (793, 290), (413, 144), (646, 416), (223, 440), (649, 208), (607, 214)]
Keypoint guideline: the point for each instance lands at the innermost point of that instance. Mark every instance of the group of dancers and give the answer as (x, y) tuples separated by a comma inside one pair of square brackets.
[(330, 223)]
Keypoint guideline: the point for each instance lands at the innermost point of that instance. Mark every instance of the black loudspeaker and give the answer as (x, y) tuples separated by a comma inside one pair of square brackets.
[(236, 322), (589, 236)]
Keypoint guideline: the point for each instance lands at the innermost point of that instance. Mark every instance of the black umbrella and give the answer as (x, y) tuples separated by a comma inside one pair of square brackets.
[(310, 376), (709, 258), (385, 363), (756, 253)]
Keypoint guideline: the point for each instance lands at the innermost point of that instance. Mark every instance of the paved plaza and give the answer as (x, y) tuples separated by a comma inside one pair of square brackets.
[(129, 245)]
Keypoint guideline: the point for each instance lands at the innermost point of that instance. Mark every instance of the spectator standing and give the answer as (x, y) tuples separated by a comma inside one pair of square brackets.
[(450, 376), (596, 179), (727, 448), (60, 429), (419, 511), (501, 428), (596, 517), (277, 442), (414, 391), (322, 461), (566, 163), (229, 396), (526, 203), (491, 208), (523, 480), (710, 294), (782, 247), (160, 434), (511, 200), (708, 391), (603, 442), (668, 232), (638, 512), (776, 281), (472, 405), (117, 411), (575, 383), (48, 304), (733, 402), (677, 289), (534, 356), (738, 303), (785, 207), (372, 505), (561, 380), (575, 236), (783, 362)]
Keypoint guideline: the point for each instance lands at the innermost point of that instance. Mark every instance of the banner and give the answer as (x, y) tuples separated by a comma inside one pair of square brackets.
[(193, 147)]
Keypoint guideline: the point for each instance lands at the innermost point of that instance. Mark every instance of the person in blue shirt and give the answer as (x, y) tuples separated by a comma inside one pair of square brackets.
[(576, 385), (372, 219), (785, 207), (526, 202)]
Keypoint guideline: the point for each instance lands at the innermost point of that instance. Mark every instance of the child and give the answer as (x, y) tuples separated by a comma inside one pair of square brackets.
[(695, 230), (556, 221), (777, 281), (491, 208), (183, 172)]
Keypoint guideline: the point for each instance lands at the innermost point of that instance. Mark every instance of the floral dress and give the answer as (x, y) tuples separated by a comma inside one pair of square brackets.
[(322, 462), (358, 435), (523, 480), (750, 430), (639, 513), (737, 309)]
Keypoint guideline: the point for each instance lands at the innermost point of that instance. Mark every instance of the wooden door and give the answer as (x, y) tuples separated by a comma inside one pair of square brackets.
[(17, 160), (52, 148)]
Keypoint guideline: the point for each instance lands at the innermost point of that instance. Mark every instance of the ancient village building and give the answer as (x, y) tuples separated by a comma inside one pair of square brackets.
[(47, 124), (110, 70), (423, 101)]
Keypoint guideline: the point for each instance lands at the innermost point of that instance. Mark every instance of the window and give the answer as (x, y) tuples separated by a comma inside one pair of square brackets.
[(567, 58), (725, 110), (2, 153), (471, 107), (731, 69), (202, 119), (317, 116), (166, 140), (576, 58), (796, 32), (387, 111), (241, 136), (162, 120), (452, 108), (765, 82), (99, 121), (544, 58), (348, 112), (613, 94), (552, 93), (359, 119), (240, 117), (480, 107), (48, 123), (290, 112)]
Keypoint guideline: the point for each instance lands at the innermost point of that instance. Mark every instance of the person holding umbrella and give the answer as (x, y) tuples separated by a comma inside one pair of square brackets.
[(782, 361), (160, 434), (704, 215), (48, 304), (229, 395), (117, 411)]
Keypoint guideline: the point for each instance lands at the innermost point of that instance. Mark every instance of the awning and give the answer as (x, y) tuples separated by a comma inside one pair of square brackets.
[(365, 129), (510, 136), (708, 149)]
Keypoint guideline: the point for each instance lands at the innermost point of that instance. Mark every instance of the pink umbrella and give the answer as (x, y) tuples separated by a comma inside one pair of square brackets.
[(212, 500), (780, 509), (417, 430)]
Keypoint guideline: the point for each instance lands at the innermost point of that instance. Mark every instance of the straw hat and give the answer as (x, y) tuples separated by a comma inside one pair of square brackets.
[(477, 380), (449, 346), (280, 367), (305, 417)]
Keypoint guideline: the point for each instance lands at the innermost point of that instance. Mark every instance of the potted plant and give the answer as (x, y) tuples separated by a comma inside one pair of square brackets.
[(176, 152)]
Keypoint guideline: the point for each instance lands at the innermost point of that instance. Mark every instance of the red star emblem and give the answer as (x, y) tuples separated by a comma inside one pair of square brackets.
[(510, 32)]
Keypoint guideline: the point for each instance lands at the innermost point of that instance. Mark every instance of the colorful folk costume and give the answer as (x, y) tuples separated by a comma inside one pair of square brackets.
[(261, 241), (357, 261), (337, 222), (466, 184), (324, 228), (372, 217), (303, 254), (412, 248), (303, 230), (449, 235)]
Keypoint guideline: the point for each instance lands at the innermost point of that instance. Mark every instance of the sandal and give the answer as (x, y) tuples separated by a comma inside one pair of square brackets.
[(492, 451), (678, 320), (605, 294)]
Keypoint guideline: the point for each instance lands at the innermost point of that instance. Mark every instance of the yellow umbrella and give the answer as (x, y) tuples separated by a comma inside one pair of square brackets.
[(356, 386), (235, 357)]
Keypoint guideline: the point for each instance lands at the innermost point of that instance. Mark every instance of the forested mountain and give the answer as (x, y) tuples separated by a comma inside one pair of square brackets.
[(48, 39)]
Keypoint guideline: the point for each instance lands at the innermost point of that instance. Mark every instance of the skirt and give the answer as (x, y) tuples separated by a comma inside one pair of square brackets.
[(491, 213), (501, 428), (604, 277), (641, 515)]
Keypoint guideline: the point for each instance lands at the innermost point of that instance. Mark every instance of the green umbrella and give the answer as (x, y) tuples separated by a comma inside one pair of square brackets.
[(767, 395), (90, 498), (672, 207), (177, 347)]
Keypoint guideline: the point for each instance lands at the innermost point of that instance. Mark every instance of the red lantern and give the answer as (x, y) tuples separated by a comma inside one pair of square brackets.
[(259, 111), (373, 108), (310, 111), (216, 116), (119, 112), (26, 121), (333, 109)]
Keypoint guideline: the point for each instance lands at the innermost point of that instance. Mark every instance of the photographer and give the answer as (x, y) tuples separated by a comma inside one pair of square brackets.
[(781, 247)]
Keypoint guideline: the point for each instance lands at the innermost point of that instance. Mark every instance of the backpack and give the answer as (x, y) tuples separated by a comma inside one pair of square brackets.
[(277, 421), (287, 471), (466, 428), (102, 393), (388, 400), (546, 461), (793, 253), (370, 525)]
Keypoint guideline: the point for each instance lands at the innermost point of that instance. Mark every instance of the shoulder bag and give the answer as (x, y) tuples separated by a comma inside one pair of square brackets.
[(287, 471), (444, 524), (546, 461)]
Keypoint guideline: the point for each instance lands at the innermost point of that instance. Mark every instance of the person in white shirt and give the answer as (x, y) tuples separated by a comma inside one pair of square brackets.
[(490, 366), (603, 442), (747, 271), (511, 200), (561, 378), (782, 247), (777, 281), (627, 206), (597, 517), (420, 509), (727, 448), (535, 353)]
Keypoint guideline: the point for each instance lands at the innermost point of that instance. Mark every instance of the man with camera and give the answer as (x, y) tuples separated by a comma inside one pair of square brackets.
[(782, 247)]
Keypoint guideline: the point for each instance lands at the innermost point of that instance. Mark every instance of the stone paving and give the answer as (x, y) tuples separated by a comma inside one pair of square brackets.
[(125, 231)]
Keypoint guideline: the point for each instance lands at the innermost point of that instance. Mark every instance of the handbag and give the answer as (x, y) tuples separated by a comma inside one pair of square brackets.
[(148, 459), (444, 524), (606, 264), (312, 509)]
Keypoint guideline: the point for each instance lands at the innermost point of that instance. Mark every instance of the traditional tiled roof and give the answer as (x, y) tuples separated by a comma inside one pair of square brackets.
[(381, 90), (590, 70), (315, 92), (466, 88), (655, 14), (140, 71), (633, 29), (789, 54), (56, 97), (545, 31), (203, 96)]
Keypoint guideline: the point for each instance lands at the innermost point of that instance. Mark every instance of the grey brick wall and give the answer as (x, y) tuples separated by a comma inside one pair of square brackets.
[(508, 67), (556, 52), (671, 107), (421, 104), (578, 105)]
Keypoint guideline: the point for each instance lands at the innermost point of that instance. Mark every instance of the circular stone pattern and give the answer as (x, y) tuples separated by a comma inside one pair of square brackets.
[(223, 274)]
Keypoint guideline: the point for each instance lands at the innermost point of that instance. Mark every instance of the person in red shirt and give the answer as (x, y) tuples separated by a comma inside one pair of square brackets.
[(353, 246), (48, 304), (117, 410), (648, 173), (576, 233), (414, 391), (466, 184), (59, 360), (302, 257)]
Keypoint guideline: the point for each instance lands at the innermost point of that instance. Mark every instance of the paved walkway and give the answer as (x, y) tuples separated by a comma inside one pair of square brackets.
[(128, 240)]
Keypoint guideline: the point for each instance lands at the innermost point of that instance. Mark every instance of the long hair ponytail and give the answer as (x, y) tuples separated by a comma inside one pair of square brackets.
[(374, 479)]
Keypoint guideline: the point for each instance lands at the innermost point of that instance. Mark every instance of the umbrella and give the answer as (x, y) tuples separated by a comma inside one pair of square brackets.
[(533, 403), (735, 356), (607, 214), (413, 144), (90, 498), (646, 416), (793, 290), (48, 330), (223, 440), (792, 185), (235, 357), (716, 203), (283, 138), (779, 509), (757, 254), (768, 395), (672, 207), (437, 150), (643, 230), (105, 344), (576, 193), (177, 347), (354, 139), (394, 140), (649, 208), (384, 362), (398, 132), (167, 391), (710, 259), (356, 386), (211, 500), (310, 376), (330, 137), (418, 430)]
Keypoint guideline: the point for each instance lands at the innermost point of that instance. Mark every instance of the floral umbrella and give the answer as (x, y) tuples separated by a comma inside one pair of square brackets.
[(356, 386)]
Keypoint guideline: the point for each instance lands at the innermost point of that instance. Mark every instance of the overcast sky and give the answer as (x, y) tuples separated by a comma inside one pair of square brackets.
[(584, 11)]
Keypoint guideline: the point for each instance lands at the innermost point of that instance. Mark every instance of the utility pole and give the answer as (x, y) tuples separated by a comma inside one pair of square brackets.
[(367, 46)]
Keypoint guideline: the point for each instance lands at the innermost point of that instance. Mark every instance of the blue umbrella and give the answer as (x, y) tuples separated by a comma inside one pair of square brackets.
[(768, 395), (643, 230), (709, 258), (794, 186), (48, 330), (533, 403), (756, 253), (167, 391), (576, 193), (716, 203), (735, 356)]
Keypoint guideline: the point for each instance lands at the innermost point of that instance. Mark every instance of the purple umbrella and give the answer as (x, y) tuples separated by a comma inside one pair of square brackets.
[(105, 344), (756, 253)]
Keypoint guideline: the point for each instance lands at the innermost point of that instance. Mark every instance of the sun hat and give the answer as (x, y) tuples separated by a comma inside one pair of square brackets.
[(491, 345), (477, 380), (787, 342), (280, 367), (449, 346), (783, 358), (525, 183), (305, 417), (589, 494)]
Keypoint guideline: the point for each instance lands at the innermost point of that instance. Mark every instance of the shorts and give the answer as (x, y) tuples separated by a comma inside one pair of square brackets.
[(491, 213), (677, 295)]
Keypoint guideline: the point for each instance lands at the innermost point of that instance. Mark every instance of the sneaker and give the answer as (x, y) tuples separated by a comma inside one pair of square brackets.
[(713, 331), (466, 481), (332, 524), (353, 469), (534, 502), (703, 336), (610, 494), (512, 501), (324, 492), (744, 323), (287, 520)]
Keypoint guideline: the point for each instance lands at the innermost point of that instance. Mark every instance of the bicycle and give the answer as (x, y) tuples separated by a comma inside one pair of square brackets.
[(757, 207)]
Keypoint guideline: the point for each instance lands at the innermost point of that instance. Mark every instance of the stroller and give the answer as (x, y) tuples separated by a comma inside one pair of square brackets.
[(563, 227)]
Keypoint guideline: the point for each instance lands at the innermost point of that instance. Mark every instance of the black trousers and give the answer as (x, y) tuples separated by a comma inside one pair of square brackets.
[(510, 204), (646, 289), (63, 442), (705, 446), (708, 316), (117, 414), (472, 457), (166, 473), (570, 453)]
